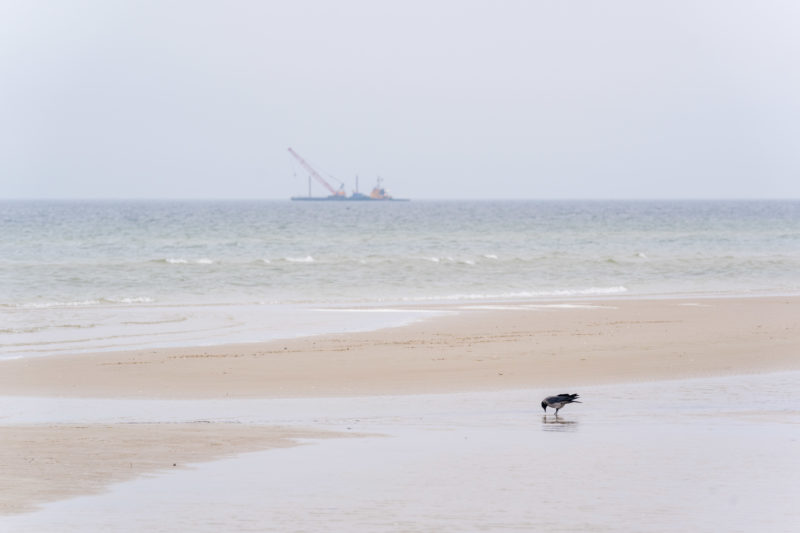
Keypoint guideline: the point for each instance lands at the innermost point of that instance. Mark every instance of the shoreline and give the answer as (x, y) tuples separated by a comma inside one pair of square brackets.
[(473, 348)]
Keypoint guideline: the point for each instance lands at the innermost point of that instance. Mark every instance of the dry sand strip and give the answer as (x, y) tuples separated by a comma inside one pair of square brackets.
[(470, 350), (47, 463)]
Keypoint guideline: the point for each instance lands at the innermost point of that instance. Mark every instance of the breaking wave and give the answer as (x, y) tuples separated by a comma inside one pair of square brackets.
[(306, 259), (184, 261)]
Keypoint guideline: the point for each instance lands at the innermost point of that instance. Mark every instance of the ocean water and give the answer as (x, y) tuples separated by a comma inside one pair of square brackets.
[(83, 276)]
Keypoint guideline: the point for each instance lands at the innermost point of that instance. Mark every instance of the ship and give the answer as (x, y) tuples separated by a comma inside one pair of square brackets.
[(378, 193)]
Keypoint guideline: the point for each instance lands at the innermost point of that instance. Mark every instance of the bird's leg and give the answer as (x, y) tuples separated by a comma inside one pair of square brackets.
[(557, 411)]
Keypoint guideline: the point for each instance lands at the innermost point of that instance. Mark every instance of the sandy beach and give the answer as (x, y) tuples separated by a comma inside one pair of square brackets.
[(470, 349)]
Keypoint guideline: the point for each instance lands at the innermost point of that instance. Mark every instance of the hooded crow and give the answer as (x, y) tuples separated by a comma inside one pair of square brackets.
[(558, 401)]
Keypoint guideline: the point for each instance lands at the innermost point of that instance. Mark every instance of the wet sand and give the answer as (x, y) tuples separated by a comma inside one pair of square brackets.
[(49, 462), (687, 455), (500, 351)]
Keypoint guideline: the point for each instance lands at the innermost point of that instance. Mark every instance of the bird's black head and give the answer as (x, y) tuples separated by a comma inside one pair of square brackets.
[(544, 406)]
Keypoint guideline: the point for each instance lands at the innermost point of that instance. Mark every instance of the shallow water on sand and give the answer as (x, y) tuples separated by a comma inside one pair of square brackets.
[(716, 454)]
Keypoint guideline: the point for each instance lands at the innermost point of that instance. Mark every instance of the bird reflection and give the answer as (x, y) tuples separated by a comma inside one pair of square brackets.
[(550, 423)]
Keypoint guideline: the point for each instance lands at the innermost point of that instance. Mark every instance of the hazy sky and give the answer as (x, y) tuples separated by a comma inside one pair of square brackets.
[(447, 99)]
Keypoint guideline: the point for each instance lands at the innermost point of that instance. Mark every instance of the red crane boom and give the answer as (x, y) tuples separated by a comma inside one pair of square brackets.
[(316, 175)]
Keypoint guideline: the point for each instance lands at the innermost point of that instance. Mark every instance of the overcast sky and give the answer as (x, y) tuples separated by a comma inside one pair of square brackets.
[(448, 99)]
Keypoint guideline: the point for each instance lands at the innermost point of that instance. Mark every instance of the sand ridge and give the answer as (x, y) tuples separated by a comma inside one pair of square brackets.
[(44, 463), (470, 349)]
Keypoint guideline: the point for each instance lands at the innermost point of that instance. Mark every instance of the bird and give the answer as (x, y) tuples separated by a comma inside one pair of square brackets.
[(558, 401)]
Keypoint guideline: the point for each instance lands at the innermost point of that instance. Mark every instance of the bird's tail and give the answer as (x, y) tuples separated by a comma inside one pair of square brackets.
[(572, 397)]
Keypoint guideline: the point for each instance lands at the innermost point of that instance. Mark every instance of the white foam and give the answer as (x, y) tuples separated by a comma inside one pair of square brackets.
[(134, 300), (556, 293), (86, 303), (454, 260), (369, 310), (47, 305), (306, 259), (569, 306), (492, 307)]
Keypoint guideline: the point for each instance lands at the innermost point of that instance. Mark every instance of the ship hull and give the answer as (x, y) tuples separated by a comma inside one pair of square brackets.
[(345, 199)]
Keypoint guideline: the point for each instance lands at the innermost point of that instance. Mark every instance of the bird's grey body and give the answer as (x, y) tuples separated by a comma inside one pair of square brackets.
[(558, 401)]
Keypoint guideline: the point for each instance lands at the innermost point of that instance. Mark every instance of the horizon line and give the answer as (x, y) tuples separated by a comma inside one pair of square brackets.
[(429, 199)]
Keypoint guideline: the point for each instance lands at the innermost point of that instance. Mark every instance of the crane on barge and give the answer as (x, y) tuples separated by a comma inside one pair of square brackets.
[(335, 193)]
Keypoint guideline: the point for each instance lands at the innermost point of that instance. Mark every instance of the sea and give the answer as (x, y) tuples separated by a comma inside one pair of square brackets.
[(86, 276)]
